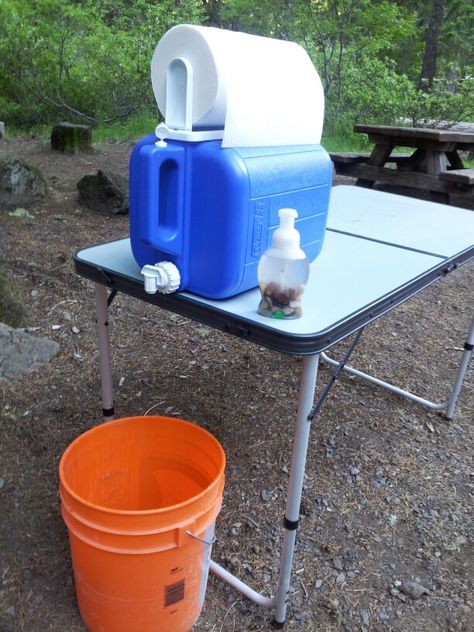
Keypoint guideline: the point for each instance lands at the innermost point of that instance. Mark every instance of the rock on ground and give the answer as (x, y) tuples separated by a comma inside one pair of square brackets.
[(414, 590), (104, 192), (22, 353), (20, 184), (13, 311)]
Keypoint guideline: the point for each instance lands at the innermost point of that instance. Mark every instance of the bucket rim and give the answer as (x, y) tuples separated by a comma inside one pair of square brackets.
[(140, 512)]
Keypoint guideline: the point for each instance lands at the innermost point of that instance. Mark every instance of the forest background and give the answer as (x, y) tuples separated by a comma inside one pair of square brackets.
[(380, 61)]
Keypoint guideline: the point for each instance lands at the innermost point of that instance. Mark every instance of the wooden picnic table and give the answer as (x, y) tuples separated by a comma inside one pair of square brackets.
[(434, 164)]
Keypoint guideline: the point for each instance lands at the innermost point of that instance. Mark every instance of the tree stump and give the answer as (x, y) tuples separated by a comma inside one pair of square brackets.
[(72, 138), (2, 129)]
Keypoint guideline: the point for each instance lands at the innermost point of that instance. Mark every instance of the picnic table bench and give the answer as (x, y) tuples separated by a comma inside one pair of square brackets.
[(434, 166), (344, 159)]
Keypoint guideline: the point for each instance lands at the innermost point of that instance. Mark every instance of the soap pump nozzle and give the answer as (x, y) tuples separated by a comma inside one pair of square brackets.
[(286, 237)]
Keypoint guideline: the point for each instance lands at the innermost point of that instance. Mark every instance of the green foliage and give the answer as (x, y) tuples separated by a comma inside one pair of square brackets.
[(342, 33), (271, 18), (444, 102), (132, 129), (339, 136), (86, 62), (369, 58), (89, 61), (457, 37), (374, 100)]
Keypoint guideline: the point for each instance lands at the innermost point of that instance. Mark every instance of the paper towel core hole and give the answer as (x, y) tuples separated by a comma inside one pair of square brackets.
[(179, 94)]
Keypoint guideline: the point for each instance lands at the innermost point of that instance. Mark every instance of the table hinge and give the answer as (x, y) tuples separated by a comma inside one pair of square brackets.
[(319, 402), (237, 330)]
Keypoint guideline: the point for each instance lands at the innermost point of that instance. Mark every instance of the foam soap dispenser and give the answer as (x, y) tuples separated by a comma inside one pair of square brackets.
[(283, 271)]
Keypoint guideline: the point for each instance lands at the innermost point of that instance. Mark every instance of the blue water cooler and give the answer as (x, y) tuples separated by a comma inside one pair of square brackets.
[(201, 215)]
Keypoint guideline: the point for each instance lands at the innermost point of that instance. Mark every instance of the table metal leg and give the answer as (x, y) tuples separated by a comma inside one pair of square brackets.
[(295, 485), (385, 385), (448, 405), (305, 414), (466, 356), (102, 311)]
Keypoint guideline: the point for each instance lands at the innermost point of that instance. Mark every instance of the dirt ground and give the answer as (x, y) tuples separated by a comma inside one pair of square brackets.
[(388, 495)]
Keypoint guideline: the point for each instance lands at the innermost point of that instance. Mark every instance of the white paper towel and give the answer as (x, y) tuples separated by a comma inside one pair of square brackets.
[(262, 91)]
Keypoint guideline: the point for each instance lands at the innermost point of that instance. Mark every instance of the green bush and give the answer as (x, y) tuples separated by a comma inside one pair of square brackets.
[(89, 61), (445, 101), (86, 62)]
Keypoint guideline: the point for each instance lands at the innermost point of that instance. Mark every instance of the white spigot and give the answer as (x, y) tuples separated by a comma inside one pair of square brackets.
[(162, 277)]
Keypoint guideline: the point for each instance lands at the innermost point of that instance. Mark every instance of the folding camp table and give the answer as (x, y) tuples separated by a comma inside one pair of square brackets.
[(379, 250)]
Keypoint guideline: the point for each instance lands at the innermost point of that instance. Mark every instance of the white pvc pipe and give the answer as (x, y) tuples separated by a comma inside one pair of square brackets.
[(386, 385), (253, 595), (102, 312)]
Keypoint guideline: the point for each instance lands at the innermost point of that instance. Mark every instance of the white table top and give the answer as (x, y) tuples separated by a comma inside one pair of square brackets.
[(396, 219), (379, 250)]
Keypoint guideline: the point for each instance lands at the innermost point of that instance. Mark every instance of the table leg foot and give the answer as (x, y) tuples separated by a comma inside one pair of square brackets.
[(278, 625), (108, 413)]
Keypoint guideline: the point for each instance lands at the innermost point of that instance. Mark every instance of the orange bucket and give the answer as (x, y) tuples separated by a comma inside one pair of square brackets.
[(140, 496)]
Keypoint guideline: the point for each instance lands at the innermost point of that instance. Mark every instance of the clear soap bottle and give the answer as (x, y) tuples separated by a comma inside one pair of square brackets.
[(283, 271)]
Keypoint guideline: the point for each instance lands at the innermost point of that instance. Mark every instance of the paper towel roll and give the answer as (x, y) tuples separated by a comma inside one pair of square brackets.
[(261, 91)]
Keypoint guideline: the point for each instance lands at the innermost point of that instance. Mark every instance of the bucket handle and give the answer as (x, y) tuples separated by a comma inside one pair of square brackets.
[(196, 537)]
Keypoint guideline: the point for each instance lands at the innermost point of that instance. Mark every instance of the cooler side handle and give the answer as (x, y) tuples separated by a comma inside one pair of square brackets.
[(162, 197)]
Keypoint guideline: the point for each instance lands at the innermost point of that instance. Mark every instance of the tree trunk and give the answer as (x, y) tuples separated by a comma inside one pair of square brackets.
[(433, 30), (212, 9), (288, 19)]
